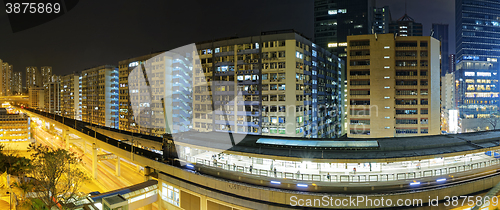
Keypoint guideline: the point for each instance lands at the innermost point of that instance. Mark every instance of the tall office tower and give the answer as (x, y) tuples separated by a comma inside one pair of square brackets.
[(52, 95), (33, 77), (452, 63), (334, 20), (46, 74), (126, 119), (100, 96), (278, 84), (440, 32), (17, 83), (393, 86), (406, 26), (70, 99), (381, 20), (476, 25), (477, 93)]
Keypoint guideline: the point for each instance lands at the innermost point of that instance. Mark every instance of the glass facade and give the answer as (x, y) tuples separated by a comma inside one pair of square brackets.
[(477, 26), (440, 32), (334, 20), (476, 88)]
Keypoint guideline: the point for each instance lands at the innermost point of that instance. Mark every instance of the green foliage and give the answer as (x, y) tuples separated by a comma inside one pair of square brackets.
[(56, 175), (12, 163)]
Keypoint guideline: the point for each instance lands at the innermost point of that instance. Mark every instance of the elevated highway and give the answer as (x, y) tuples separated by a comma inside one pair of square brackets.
[(441, 165)]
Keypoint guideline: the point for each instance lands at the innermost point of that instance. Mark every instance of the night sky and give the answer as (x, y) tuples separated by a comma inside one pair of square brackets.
[(98, 32)]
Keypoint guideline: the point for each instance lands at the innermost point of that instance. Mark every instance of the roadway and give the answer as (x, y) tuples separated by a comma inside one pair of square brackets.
[(106, 175)]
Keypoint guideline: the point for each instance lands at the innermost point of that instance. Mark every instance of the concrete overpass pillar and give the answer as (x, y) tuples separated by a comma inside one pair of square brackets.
[(65, 138), (94, 161), (117, 166), (147, 171)]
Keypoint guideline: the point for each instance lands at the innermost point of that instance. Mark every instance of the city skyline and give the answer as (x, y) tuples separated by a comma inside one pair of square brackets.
[(101, 38)]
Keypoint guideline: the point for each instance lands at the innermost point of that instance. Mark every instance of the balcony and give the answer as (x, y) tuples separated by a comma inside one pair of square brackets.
[(359, 57), (362, 47)]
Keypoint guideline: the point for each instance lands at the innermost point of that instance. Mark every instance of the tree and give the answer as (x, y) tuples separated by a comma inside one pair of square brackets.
[(56, 177), (493, 120)]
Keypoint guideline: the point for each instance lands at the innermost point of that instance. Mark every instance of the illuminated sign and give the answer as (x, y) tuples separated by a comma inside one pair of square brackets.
[(470, 74), (483, 74), (332, 44), (343, 44), (492, 59), (453, 121), (132, 64)]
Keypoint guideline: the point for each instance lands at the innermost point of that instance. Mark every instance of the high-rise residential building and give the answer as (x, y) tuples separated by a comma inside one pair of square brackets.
[(406, 26), (126, 119), (334, 20), (279, 84), (17, 83), (52, 95), (70, 99), (393, 86), (7, 80), (440, 32), (381, 20), (161, 92), (33, 77), (6, 77), (100, 96), (46, 74), (36, 97), (476, 23)]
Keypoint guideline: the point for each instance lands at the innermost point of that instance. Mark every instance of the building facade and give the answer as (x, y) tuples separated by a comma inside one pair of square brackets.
[(476, 92), (36, 97), (440, 32), (381, 20), (278, 84), (52, 95), (406, 26), (100, 96), (334, 20), (17, 83), (126, 115), (70, 98), (393, 86), (6, 80), (46, 74), (477, 54), (476, 24), (33, 77)]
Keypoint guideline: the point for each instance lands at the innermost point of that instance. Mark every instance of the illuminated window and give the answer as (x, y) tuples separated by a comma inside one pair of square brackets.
[(332, 44), (332, 12), (387, 47)]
